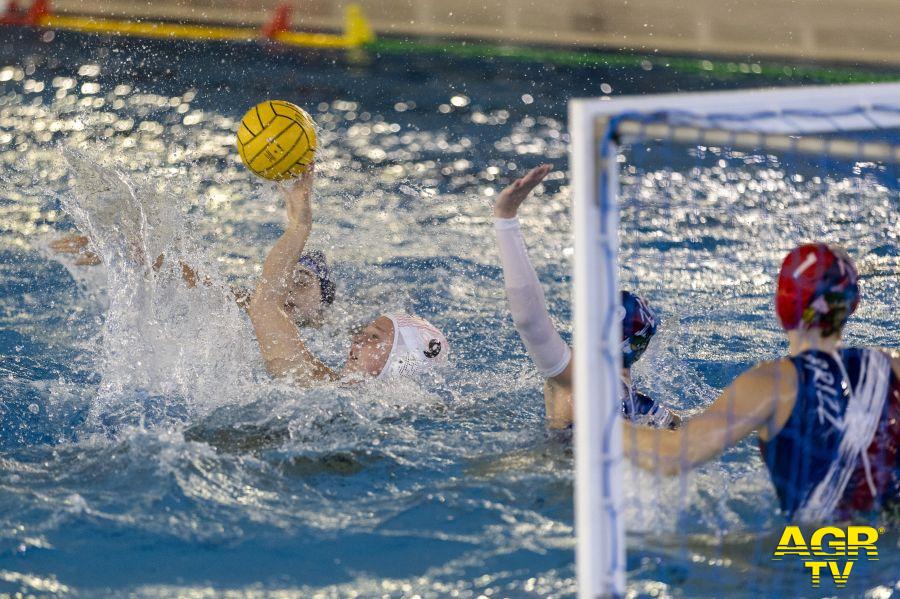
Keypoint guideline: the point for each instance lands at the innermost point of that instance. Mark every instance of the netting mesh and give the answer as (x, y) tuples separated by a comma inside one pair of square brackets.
[(706, 218)]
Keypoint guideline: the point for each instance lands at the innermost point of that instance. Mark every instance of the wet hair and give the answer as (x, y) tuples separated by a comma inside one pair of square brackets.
[(315, 262)]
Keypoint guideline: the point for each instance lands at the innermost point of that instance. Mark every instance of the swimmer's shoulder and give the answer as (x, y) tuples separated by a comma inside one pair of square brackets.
[(779, 372), (768, 390), (773, 380)]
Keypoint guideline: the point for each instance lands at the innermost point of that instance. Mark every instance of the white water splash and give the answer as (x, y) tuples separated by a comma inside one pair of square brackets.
[(168, 351)]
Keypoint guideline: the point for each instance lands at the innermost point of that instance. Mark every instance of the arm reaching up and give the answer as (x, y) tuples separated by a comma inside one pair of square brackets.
[(526, 300), (527, 304), (282, 348)]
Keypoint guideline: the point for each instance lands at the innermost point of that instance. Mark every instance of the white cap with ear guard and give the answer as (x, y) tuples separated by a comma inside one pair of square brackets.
[(418, 345)]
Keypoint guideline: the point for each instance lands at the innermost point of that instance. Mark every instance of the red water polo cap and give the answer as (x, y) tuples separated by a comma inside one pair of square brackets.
[(818, 287)]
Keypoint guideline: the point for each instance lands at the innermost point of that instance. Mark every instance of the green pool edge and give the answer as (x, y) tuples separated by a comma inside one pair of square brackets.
[(713, 67)]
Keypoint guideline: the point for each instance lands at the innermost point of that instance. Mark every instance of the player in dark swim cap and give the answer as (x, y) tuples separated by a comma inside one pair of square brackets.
[(546, 348), (828, 416), (639, 324), (392, 346), (311, 290)]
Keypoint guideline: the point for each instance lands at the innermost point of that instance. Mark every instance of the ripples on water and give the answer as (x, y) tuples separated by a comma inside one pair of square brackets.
[(145, 450)]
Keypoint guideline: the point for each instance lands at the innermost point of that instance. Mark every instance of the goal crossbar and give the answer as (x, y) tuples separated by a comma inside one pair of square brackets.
[(838, 147)]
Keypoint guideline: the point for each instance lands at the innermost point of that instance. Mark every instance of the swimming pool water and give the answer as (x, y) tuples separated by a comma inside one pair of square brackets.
[(144, 452)]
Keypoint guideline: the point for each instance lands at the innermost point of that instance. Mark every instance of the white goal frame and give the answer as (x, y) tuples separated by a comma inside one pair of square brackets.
[(770, 118)]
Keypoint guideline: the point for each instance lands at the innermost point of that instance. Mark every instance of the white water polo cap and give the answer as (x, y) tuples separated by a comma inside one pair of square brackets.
[(418, 345)]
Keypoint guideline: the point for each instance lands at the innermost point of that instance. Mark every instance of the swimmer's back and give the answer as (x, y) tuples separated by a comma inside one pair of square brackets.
[(837, 453)]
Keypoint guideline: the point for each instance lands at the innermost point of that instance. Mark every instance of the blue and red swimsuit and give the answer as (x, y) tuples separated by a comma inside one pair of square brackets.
[(837, 455)]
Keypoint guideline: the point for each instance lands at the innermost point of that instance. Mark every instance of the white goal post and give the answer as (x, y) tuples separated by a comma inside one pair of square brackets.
[(788, 119)]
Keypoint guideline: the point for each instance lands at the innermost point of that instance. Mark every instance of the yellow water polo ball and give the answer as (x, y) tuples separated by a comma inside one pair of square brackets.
[(277, 140)]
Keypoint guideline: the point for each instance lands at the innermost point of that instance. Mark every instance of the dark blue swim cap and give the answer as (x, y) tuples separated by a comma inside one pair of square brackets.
[(314, 261), (638, 327)]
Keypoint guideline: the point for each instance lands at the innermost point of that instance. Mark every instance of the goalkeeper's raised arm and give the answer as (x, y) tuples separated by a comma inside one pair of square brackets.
[(549, 352)]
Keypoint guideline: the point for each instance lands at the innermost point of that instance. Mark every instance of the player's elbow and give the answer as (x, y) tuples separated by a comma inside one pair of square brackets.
[(660, 465), (662, 452)]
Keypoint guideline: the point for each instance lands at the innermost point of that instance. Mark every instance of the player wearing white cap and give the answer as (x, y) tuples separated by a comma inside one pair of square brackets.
[(392, 345)]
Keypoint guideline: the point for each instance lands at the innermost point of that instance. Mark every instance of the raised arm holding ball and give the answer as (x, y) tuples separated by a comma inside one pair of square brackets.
[(277, 141), (311, 290), (391, 345), (279, 338)]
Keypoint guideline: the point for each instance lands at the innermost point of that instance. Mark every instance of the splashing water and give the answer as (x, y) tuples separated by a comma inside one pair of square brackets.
[(144, 450), (168, 351)]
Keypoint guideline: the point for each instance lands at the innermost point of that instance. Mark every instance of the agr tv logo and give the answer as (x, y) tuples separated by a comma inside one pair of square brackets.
[(831, 549)]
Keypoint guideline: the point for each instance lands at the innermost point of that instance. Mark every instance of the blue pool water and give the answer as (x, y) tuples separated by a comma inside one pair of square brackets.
[(144, 452)]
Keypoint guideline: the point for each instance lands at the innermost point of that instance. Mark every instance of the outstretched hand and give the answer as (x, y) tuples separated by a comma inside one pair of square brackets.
[(509, 200), (297, 199), (76, 244)]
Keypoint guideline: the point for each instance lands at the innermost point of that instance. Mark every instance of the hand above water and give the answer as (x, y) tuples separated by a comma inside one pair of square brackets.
[(74, 243), (297, 199), (509, 200)]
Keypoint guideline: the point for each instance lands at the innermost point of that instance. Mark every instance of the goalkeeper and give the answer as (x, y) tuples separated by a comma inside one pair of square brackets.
[(827, 416), (547, 349)]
